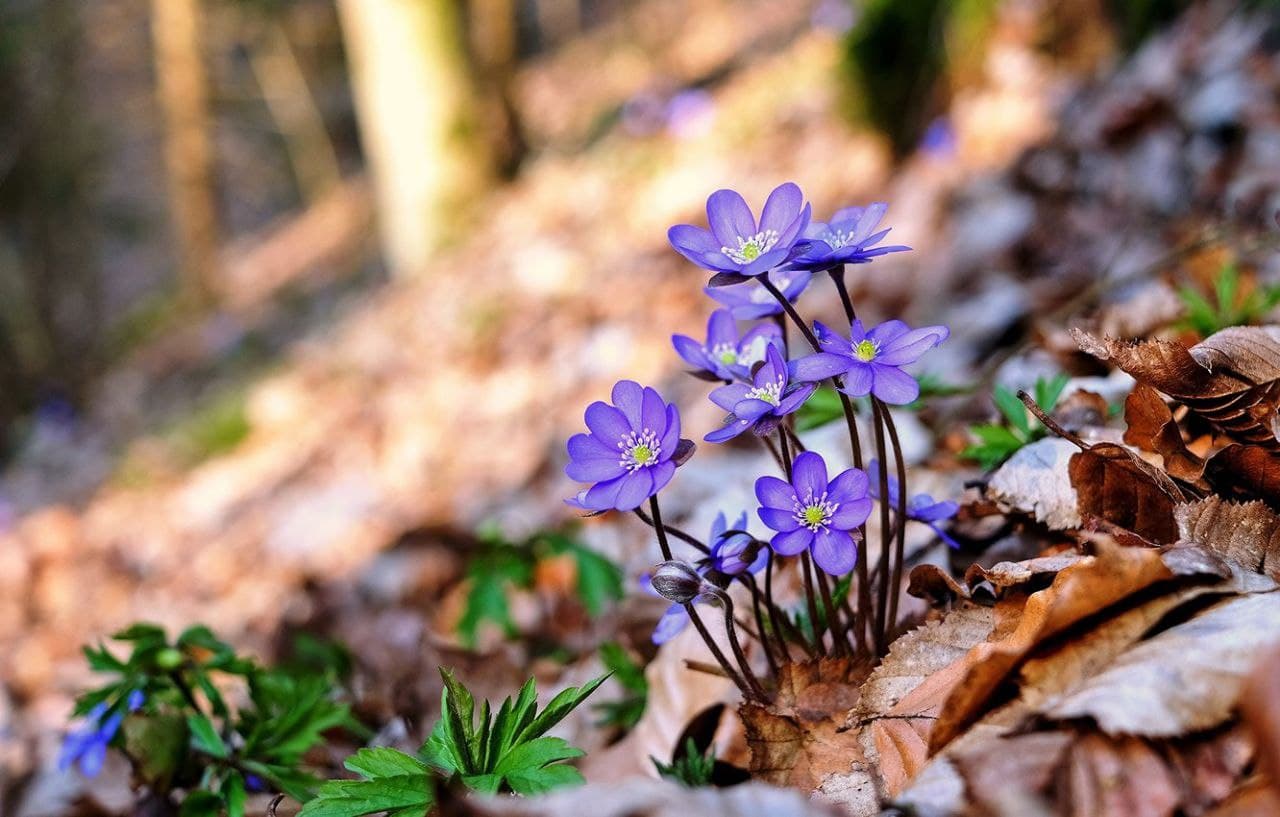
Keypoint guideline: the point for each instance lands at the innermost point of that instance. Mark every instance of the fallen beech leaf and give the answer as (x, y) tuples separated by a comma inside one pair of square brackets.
[(1035, 481), (1118, 778), (1230, 378), (1249, 472), (1004, 575), (1009, 776), (1082, 589), (1115, 485), (1184, 679), (1151, 427), (935, 586), (1247, 534)]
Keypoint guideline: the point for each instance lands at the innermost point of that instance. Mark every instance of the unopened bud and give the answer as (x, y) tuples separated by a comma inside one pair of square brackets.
[(677, 582)]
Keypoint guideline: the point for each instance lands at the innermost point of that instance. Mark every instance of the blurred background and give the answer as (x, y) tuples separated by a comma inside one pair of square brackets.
[(296, 294)]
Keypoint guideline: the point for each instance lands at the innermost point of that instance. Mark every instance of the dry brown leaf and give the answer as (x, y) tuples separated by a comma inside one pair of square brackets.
[(1083, 589), (935, 585), (1009, 777), (1185, 679), (1230, 378), (1246, 471), (1151, 427), (1004, 575), (1255, 798), (1247, 534), (1118, 778), (1115, 485)]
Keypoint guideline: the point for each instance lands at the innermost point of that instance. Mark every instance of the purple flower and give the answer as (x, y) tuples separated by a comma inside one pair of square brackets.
[(632, 451), (735, 553), (725, 355), (762, 404), (920, 508), (674, 620), (810, 513), (88, 746), (871, 361), (738, 247), (752, 301), (850, 238)]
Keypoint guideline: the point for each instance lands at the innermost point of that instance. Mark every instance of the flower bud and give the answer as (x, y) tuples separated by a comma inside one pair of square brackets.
[(677, 582)]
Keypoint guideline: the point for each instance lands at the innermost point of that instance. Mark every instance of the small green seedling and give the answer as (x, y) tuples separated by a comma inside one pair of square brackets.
[(1229, 307), (997, 442)]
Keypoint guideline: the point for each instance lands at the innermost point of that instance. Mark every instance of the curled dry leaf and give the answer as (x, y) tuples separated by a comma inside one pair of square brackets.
[(1254, 798), (1004, 575), (935, 586), (1184, 679), (1246, 471), (1247, 534), (1115, 485), (1151, 427), (1229, 379), (1035, 481), (1082, 589)]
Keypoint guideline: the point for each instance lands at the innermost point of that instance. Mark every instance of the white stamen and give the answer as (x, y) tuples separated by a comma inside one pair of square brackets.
[(639, 450), (821, 507), (771, 393), (752, 247)]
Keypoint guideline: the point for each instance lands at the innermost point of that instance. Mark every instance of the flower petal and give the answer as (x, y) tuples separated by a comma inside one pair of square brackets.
[(628, 396), (653, 411), (885, 333), (834, 551), (603, 496), (795, 399), (751, 409), (670, 439), (858, 380), (868, 219), (729, 217), (775, 493), (778, 519), (594, 469), (726, 397), (662, 474), (671, 624), (606, 422), (894, 386), (722, 328), (819, 366), (851, 514), (792, 231), (691, 352), (782, 208), (694, 243), (727, 432), (809, 474), (635, 488), (791, 542), (848, 485)]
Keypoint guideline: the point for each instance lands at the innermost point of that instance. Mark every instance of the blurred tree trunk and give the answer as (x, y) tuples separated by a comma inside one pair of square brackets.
[(496, 43), (176, 27), (416, 107)]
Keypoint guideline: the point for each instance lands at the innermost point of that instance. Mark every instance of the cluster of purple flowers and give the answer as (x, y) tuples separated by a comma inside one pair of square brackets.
[(87, 746), (759, 269)]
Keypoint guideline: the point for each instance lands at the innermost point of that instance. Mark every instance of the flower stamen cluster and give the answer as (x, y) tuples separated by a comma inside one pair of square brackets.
[(639, 449), (749, 249)]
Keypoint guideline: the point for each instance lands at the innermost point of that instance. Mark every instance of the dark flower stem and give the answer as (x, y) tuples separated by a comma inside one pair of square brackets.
[(811, 599), (672, 530), (732, 631), (837, 277), (757, 609), (791, 313), (786, 459), (882, 600), (900, 546), (661, 531)]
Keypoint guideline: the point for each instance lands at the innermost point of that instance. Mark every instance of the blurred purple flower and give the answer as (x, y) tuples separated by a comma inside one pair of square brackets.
[(920, 508), (849, 238), (735, 553), (762, 404), (690, 113), (837, 16), (631, 452), (810, 513), (752, 301), (939, 138), (871, 361), (644, 114), (725, 355), (737, 246), (87, 746)]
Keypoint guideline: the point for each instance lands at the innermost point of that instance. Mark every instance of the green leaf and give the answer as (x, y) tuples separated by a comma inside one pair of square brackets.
[(541, 781), (205, 737), (406, 795), (483, 783), (486, 601), (201, 803), (600, 581), (233, 792), (535, 754), (1011, 407), (457, 709), (560, 706), (438, 753), (384, 762), (157, 744), (1048, 391), (822, 407), (996, 444)]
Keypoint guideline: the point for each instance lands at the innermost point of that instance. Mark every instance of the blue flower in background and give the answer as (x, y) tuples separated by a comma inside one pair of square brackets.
[(87, 746)]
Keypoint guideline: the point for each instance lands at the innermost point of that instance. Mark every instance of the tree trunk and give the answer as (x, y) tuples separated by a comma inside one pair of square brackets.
[(188, 145), (415, 102)]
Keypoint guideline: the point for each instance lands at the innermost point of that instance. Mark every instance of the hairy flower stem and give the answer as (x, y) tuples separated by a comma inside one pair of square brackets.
[(786, 458), (757, 609), (839, 638), (773, 449), (811, 599), (837, 277), (661, 531), (900, 544), (732, 631), (880, 630), (791, 313), (672, 530)]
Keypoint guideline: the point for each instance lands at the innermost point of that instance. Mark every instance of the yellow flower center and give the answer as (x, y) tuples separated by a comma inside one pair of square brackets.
[(866, 350)]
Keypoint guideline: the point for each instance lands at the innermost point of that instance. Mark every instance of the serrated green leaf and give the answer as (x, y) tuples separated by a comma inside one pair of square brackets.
[(535, 754), (541, 781), (1011, 407), (457, 709), (483, 783), (560, 706), (157, 744), (404, 794), (205, 737), (384, 762), (437, 752)]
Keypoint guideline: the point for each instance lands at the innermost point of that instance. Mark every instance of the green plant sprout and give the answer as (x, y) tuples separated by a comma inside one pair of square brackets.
[(1229, 307), (997, 442)]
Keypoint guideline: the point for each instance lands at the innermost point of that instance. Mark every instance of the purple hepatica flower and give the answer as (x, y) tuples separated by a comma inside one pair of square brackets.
[(761, 405), (920, 508), (850, 238), (725, 355), (632, 451), (752, 301), (87, 746), (736, 247), (735, 553), (872, 361), (810, 513)]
